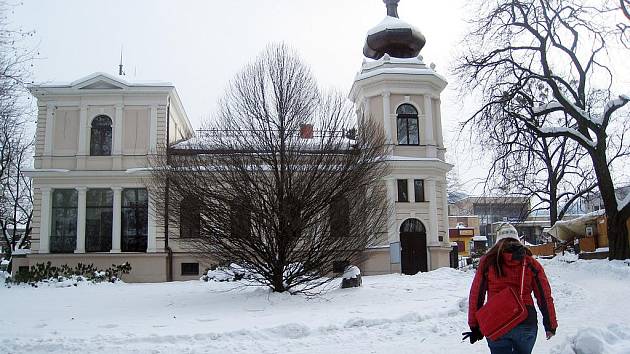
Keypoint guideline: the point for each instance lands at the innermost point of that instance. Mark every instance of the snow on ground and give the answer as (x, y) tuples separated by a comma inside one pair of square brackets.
[(425, 313)]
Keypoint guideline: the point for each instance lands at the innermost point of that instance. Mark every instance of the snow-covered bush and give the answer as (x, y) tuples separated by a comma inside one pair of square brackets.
[(65, 275), (233, 272)]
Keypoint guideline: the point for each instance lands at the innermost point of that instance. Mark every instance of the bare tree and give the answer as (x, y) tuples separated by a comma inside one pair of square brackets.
[(554, 173), (560, 46), (264, 188), (15, 141)]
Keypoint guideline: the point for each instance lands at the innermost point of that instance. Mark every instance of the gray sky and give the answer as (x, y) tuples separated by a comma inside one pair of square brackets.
[(200, 45)]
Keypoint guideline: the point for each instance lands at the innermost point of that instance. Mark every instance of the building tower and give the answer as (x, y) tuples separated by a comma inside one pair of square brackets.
[(398, 90)]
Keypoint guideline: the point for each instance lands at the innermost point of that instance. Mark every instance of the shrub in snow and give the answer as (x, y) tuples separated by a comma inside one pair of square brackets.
[(65, 275), (351, 277), (233, 272)]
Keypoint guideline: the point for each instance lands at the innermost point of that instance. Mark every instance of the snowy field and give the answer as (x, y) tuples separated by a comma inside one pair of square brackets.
[(425, 313)]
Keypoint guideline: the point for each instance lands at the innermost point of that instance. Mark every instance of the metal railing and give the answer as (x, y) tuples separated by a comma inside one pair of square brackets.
[(228, 133)]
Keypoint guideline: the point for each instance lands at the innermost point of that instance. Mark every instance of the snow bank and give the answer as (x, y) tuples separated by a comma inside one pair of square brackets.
[(389, 313), (613, 339), (611, 269)]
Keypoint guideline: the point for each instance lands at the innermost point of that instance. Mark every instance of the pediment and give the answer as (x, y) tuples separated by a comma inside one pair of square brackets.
[(101, 85)]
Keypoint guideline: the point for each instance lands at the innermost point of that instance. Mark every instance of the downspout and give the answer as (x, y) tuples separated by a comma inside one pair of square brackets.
[(169, 255)]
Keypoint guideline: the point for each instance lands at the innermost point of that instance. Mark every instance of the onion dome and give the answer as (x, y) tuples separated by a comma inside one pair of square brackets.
[(393, 36)]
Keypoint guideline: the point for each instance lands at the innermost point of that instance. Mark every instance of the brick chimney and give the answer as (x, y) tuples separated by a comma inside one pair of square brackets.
[(306, 131)]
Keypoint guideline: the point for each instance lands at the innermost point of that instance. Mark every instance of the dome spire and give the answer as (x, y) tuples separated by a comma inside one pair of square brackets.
[(393, 36), (392, 7)]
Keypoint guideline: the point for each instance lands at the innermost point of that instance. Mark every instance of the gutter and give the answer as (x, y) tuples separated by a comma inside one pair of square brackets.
[(169, 256)]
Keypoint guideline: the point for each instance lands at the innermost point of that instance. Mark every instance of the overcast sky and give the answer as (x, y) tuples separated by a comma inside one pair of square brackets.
[(200, 45)]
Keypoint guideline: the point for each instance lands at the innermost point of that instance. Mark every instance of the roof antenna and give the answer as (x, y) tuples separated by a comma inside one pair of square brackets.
[(120, 66)]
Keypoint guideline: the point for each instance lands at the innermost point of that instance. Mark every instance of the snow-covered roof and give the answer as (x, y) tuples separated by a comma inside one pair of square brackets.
[(390, 22), (118, 79), (392, 65), (565, 230)]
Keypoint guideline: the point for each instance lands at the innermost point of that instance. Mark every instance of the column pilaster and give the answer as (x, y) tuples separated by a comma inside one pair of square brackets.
[(50, 129), (153, 129), (81, 213), (44, 221), (428, 121), (116, 220), (387, 121), (433, 223), (151, 231), (447, 240)]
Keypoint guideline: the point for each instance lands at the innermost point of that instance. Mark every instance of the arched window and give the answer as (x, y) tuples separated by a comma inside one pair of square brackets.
[(101, 136), (407, 123), (412, 225)]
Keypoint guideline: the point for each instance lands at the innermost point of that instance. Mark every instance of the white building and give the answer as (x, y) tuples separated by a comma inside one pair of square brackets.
[(95, 137), (404, 94), (93, 142)]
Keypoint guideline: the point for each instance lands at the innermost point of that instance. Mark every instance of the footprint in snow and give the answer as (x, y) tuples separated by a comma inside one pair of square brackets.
[(108, 326)]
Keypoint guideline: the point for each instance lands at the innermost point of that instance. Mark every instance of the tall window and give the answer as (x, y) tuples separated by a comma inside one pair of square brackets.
[(98, 220), (63, 234), (407, 122), (240, 220), (403, 195), (135, 212), (339, 217), (418, 190), (101, 136), (190, 217)]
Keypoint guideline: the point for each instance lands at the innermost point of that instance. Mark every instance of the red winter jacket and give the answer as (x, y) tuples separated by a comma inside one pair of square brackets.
[(535, 280)]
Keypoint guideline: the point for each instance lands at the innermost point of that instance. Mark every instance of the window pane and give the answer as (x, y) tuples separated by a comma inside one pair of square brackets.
[(63, 231), (189, 218), (134, 220), (406, 109), (418, 188), (101, 136), (402, 190), (190, 268), (412, 125), (98, 223), (402, 131), (339, 217)]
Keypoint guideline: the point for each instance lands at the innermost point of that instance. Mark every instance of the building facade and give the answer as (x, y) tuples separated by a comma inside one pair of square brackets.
[(398, 90), (95, 138)]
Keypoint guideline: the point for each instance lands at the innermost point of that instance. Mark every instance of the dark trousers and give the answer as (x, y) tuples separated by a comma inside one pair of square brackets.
[(520, 340)]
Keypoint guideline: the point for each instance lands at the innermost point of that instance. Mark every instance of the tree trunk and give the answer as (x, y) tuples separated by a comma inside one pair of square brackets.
[(618, 238), (278, 281), (553, 198), (619, 248)]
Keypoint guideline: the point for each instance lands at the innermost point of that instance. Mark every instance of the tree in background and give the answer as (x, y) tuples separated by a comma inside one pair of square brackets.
[(262, 189), (553, 172), (559, 46), (16, 142)]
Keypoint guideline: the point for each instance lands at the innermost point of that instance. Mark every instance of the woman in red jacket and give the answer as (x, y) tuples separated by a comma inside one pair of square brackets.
[(499, 268)]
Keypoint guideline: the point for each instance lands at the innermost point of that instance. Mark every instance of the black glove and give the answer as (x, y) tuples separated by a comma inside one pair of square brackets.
[(474, 335)]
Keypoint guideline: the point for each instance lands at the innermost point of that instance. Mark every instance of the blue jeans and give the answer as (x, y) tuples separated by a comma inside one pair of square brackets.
[(520, 340)]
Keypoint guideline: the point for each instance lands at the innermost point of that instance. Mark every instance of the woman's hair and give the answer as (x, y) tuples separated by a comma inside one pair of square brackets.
[(494, 256)]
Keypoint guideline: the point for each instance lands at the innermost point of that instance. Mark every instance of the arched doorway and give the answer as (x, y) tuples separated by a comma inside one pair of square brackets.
[(413, 247)]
